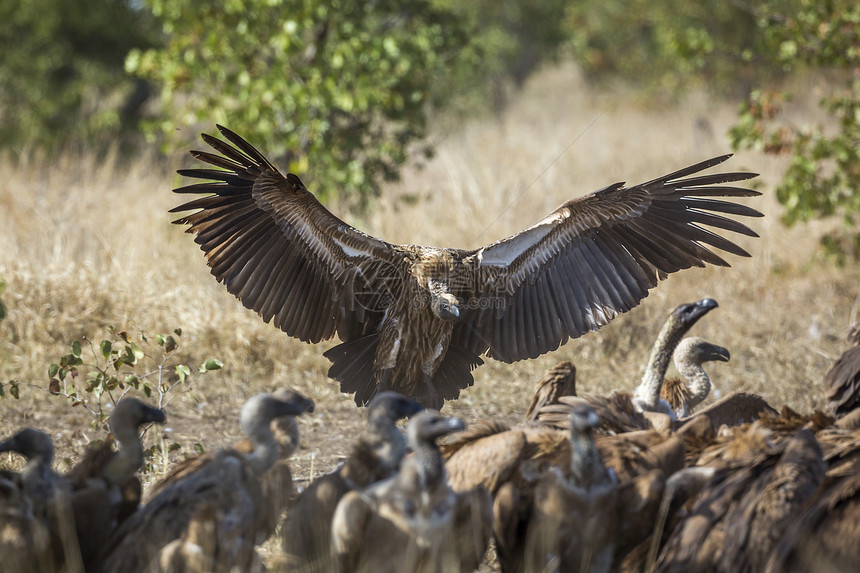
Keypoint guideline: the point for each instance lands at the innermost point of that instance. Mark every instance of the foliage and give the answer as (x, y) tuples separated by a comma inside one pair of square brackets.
[(61, 74), (823, 177), (508, 40), (341, 86), (667, 45), (120, 365), (751, 47)]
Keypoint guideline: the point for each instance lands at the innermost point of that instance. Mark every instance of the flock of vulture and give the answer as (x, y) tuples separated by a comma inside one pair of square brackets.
[(646, 480), (583, 483)]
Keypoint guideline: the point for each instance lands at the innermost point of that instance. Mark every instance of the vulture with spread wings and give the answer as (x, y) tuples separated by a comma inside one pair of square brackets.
[(417, 319)]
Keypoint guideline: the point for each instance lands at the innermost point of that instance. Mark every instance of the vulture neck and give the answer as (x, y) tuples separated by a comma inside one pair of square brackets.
[(266, 447), (586, 468), (647, 394), (430, 465), (129, 458), (391, 445), (288, 435), (697, 380)]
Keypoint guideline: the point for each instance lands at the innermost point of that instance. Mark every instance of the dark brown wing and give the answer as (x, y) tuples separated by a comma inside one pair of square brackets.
[(280, 252), (594, 258), (842, 383)]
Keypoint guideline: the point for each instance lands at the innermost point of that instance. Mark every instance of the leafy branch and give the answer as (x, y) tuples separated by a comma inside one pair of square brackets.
[(118, 365)]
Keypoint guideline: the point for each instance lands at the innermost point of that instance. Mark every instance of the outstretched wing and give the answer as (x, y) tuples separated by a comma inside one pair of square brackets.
[(594, 258), (280, 252)]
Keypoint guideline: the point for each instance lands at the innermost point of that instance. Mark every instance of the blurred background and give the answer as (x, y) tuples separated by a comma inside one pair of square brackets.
[(435, 122)]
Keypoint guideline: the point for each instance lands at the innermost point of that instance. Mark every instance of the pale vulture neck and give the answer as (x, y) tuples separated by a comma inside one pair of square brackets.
[(430, 463), (646, 396), (129, 458), (391, 445), (697, 380), (266, 447), (288, 435), (587, 469)]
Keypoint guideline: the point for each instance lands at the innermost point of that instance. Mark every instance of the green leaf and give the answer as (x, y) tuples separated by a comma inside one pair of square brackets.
[(76, 348), (212, 364), (53, 369), (182, 371), (105, 346)]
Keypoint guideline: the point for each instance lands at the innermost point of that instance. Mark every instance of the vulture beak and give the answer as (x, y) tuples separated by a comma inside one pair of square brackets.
[(715, 353)]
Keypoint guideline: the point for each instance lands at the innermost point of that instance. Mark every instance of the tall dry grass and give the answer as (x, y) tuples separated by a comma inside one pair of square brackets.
[(87, 243)]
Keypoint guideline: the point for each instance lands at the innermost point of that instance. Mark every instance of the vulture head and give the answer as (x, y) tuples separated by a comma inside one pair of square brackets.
[(255, 422), (583, 420), (445, 306), (388, 407), (427, 426), (688, 313), (30, 443), (695, 350), (131, 413), (261, 409)]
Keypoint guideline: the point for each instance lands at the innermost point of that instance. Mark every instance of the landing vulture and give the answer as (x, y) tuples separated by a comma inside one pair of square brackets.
[(416, 319)]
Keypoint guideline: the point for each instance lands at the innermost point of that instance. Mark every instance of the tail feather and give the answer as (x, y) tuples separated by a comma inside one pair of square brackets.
[(352, 366), (455, 372)]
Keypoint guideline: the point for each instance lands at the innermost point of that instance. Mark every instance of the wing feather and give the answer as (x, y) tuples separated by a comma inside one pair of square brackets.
[(598, 256), (275, 247)]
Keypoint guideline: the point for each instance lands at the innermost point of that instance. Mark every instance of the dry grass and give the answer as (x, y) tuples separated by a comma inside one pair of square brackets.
[(88, 244)]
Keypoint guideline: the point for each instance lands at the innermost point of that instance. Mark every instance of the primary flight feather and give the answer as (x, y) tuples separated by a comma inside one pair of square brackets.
[(416, 319)]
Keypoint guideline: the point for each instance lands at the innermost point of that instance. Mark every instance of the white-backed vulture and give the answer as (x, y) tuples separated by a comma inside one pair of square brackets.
[(277, 481), (227, 479), (105, 487), (417, 319), (414, 521), (690, 389), (842, 381), (623, 411), (740, 516), (826, 537), (26, 501), (306, 531), (572, 527)]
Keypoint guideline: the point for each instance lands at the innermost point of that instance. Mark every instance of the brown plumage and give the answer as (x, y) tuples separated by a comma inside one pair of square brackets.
[(826, 536), (690, 389), (560, 380), (842, 381), (733, 410), (738, 520), (414, 521), (306, 531), (417, 319), (621, 411), (277, 482), (572, 527), (105, 488), (227, 479)]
